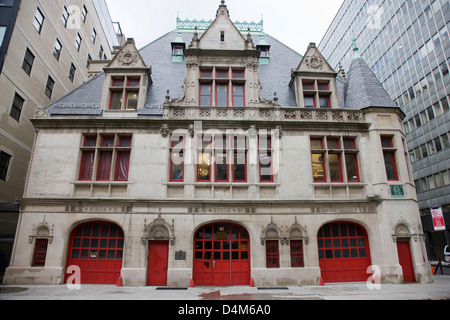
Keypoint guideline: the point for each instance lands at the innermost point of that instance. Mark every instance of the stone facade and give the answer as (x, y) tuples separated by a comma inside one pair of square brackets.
[(287, 208)]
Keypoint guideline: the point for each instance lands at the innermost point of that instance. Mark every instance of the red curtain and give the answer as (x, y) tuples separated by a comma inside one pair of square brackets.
[(104, 166), (123, 165)]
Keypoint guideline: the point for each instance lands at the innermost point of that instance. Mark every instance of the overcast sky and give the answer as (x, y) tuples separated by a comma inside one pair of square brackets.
[(296, 23)]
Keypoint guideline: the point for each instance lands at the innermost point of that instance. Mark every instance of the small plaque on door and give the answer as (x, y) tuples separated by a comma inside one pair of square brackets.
[(180, 255)]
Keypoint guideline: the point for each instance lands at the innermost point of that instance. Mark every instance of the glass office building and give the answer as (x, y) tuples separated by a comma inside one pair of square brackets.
[(406, 43)]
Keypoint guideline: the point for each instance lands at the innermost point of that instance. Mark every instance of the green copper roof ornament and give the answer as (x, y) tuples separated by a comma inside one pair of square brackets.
[(356, 54)]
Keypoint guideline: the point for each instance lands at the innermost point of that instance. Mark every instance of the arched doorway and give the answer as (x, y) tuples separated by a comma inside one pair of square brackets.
[(97, 249), (221, 255), (344, 253)]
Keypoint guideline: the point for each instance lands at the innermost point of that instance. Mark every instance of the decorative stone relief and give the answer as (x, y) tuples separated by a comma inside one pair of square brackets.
[(164, 130), (314, 62), (404, 230), (159, 229), (271, 232), (297, 232), (128, 58), (42, 231)]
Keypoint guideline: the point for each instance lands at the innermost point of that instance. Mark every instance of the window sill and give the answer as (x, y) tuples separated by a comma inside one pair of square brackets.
[(101, 189)]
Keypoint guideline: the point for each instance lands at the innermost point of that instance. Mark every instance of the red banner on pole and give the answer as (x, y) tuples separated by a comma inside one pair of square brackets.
[(438, 219)]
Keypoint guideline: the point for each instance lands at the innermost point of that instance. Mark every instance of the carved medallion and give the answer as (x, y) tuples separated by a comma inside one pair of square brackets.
[(314, 62), (128, 58)]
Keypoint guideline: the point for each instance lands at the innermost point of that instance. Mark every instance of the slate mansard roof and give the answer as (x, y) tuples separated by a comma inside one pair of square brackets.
[(360, 90)]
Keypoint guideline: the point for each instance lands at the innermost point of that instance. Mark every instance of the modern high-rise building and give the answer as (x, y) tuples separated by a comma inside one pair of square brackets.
[(406, 43), (46, 48)]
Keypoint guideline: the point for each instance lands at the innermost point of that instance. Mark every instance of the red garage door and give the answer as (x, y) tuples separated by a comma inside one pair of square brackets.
[(221, 255), (344, 254), (97, 249)]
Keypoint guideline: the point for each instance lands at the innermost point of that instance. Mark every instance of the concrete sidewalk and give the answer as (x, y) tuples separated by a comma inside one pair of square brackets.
[(439, 290)]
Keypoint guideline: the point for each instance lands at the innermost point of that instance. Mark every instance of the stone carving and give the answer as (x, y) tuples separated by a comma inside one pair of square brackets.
[(271, 232), (128, 58), (159, 229), (297, 232), (314, 62), (165, 130), (42, 231)]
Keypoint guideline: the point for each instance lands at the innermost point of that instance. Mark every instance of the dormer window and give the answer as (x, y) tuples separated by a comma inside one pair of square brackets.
[(124, 93), (222, 87), (316, 94), (178, 46), (264, 48)]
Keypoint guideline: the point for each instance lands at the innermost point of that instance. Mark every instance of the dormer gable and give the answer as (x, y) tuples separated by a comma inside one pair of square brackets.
[(314, 81), (222, 34), (127, 57), (314, 61), (127, 78)]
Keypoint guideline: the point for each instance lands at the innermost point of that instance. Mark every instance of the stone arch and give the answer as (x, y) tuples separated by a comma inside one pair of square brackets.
[(272, 232), (159, 230), (403, 230), (297, 232), (41, 231)]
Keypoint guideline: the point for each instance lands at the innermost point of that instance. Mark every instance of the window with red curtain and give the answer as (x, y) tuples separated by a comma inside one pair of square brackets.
[(98, 162), (88, 158), (123, 158), (104, 166), (389, 158)]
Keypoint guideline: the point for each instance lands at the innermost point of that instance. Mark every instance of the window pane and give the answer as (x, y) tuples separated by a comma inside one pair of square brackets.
[(221, 167), (352, 167), (87, 165), (132, 100), (335, 167), (318, 167), (309, 102), (238, 95), (134, 82), (222, 74), (265, 162), (389, 162), (239, 171), (349, 144), (104, 166), (176, 171), (316, 144), (222, 95), (386, 142), (324, 102), (123, 165), (205, 95), (116, 101), (204, 167), (118, 82), (308, 85)]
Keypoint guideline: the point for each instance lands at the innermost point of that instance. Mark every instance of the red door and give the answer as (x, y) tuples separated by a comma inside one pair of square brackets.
[(158, 263), (405, 258), (221, 256), (344, 254), (97, 249)]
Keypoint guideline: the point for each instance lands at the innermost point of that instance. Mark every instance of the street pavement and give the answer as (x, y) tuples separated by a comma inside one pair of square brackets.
[(439, 290)]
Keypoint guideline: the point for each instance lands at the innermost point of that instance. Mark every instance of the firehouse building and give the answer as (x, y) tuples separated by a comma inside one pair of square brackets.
[(217, 156)]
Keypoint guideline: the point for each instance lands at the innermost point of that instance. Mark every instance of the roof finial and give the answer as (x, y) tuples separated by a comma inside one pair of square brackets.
[(356, 54)]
